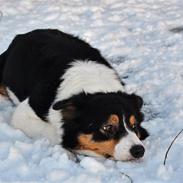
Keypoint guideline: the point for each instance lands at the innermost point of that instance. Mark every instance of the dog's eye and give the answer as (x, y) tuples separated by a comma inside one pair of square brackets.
[(108, 129)]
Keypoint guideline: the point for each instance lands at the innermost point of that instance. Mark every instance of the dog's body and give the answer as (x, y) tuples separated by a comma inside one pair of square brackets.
[(67, 92)]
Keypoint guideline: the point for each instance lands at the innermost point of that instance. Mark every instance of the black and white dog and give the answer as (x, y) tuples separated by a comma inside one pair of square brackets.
[(67, 92)]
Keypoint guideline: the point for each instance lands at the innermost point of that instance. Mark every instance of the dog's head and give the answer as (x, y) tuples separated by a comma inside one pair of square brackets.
[(107, 125)]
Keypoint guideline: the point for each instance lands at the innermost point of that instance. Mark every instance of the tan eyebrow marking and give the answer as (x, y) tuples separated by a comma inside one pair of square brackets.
[(113, 119), (132, 120)]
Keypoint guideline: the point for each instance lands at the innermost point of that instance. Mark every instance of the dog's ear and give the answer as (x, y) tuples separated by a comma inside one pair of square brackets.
[(78, 102), (62, 105), (68, 108), (143, 134), (73, 107), (132, 99), (138, 100)]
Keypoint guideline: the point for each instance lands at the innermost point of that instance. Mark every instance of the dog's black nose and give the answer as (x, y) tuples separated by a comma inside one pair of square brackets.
[(137, 151)]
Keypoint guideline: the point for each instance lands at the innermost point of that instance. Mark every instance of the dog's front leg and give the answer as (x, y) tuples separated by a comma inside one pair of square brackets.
[(25, 119)]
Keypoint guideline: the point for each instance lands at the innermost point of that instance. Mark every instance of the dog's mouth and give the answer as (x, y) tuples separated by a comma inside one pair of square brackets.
[(108, 156), (89, 153)]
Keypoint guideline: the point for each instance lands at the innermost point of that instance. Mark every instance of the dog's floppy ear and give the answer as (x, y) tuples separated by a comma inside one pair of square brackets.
[(68, 108), (143, 133), (138, 100), (62, 104), (78, 102)]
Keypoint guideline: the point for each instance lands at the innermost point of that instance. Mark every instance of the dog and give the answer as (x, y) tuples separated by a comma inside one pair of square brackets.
[(66, 91)]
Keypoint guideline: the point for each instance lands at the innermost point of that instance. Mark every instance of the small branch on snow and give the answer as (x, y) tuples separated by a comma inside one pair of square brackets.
[(124, 174), (177, 29), (171, 146)]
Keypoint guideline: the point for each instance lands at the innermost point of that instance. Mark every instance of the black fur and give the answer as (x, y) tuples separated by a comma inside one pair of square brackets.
[(36, 60)]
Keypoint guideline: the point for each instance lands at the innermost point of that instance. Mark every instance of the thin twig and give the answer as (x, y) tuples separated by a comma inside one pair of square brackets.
[(171, 146), (177, 29), (77, 160), (124, 174)]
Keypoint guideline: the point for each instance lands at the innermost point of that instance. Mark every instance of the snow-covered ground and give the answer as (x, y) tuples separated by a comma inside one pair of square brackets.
[(135, 36)]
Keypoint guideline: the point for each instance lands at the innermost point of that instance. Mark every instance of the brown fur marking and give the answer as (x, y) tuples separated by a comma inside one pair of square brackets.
[(132, 120), (113, 119), (103, 148)]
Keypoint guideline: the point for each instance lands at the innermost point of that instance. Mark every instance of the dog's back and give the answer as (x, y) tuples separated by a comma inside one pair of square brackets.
[(35, 62), (42, 55)]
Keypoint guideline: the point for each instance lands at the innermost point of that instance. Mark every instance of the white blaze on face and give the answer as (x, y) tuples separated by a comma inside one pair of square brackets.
[(122, 149)]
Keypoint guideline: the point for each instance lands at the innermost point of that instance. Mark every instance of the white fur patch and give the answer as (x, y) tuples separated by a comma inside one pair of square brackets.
[(122, 149), (12, 96), (55, 118), (89, 77), (25, 119), (84, 76)]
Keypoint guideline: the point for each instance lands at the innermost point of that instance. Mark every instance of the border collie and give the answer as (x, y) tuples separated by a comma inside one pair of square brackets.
[(66, 91)]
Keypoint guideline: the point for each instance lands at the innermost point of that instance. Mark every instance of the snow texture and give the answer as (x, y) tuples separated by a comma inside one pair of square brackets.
[(144, 42)]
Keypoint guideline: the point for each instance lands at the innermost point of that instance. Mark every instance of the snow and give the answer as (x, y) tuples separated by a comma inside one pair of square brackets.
[(135, 36)]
